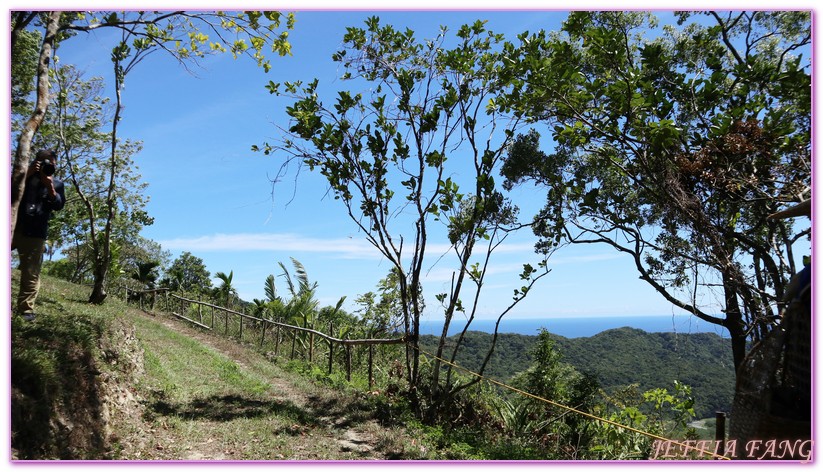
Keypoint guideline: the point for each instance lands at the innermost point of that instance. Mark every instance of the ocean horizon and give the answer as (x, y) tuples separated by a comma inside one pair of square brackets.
[(579, 327)]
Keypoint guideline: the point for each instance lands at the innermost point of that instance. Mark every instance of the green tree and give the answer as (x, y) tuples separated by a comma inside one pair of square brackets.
[(187, 273), (302, 306), (94, 218), (139, 250), (341, 324), (30, 126), (146, 274), (384, 315), (390, 155), (178, 33), (226, 292), (301, 309), (273, 306), (25, 50), (673, 150), (549, 377), (658, 411)]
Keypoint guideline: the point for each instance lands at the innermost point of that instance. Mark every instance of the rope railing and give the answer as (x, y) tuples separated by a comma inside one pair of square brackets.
[(574, 410)]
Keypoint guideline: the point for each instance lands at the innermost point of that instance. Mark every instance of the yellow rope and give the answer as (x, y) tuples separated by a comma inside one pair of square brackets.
[(573, 410)]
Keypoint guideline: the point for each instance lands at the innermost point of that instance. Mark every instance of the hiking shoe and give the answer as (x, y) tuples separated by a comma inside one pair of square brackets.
[(29, 316)]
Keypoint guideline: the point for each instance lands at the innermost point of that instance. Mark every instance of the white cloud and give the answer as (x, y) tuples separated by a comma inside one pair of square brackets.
[(606, 256), (286, 242), (351, 248), (505, 248), (354, 248)]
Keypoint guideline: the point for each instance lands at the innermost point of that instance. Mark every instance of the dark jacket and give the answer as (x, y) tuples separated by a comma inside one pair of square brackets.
[(35, 207)]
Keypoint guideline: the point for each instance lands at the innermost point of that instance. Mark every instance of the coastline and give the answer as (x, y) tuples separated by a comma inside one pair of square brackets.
[(577, 327)]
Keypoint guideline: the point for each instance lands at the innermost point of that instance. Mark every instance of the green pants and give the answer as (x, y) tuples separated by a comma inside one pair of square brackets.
[(30, 250)]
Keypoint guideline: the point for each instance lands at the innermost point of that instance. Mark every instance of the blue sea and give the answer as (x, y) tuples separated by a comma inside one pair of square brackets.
[(577, 327)]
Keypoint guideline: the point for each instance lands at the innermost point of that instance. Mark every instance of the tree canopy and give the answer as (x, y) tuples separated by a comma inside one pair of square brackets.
[(186, 36), (390, 151), (188, 273), (673, 149)]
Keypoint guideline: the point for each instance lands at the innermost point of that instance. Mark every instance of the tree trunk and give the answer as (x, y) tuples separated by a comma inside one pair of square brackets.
[(21, 154), (98, 293), (734, 322), (102, 249)]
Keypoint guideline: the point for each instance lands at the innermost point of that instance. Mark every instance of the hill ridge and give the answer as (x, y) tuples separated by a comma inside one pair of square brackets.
[(619, 357)]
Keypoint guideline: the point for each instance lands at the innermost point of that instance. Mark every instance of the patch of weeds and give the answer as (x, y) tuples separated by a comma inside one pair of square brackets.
[(231, 374)]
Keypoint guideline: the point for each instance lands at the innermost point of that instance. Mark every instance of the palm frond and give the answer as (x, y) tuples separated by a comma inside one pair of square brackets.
[(302, 276), (289, 282), (339, 304), (226, 279), (145, 273), (271, 289)]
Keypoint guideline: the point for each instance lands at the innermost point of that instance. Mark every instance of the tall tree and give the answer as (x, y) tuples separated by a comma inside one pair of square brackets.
[(178, 33), (673, 150), (302, 306), (75, 125), (23, 150), (187, 273), (391, 155), (146, 274), (226, 292)]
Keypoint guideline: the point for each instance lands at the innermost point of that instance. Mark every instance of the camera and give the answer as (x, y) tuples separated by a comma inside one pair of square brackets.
[(47, 167)]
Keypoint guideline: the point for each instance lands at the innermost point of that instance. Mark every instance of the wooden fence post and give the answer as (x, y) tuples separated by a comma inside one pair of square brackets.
[(720, 431), (348, 363), (263, 334), (293, 344), (311, 348), (371, 358), (310, 334)]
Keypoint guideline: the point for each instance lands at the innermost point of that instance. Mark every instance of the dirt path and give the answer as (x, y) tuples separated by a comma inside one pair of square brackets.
[(284, 417)]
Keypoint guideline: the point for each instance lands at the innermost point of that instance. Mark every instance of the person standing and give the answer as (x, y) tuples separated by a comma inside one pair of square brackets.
[(43, 195)]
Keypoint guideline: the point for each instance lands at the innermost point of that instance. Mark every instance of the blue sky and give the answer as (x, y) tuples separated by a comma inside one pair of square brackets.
[(211, 196)]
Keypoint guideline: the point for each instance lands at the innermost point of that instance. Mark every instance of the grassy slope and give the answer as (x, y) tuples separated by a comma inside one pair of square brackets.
[(94, 382)]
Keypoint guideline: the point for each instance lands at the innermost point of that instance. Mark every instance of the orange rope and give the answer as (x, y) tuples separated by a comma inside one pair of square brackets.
[(573, 410)]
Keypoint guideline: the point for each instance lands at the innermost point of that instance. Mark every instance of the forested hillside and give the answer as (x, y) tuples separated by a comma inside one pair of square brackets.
[(620, 357)]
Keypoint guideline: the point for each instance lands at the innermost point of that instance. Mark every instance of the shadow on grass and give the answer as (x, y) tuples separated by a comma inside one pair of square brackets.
[(343, 414), (230, 407)]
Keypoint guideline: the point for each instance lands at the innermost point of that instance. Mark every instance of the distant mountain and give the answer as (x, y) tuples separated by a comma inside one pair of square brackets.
[(619, 357)]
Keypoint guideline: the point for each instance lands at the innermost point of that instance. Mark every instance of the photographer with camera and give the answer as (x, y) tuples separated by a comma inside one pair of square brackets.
[(43, 194)]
